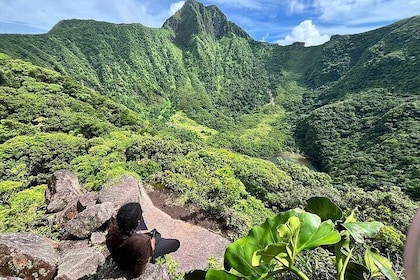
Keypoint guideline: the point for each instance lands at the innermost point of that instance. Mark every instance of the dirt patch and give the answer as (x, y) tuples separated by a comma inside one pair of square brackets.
[(166, 201)]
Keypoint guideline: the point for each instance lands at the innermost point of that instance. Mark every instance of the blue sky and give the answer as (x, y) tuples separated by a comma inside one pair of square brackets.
[(274, 21)]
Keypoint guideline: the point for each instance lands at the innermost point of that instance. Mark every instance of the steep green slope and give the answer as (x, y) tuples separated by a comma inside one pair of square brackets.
[(391, 62), (36, 104), (369, 140), (194, 18), (62, 124), (137, 65), (364, 130), (143, 68), (251, 93), (208, 67)]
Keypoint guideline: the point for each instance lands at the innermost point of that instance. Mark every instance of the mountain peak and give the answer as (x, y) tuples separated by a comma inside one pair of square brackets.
[(195, 18)]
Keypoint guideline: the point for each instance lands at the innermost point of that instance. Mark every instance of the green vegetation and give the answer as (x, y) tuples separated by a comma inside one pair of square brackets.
[(273, 247), (370, 140), (197, 107), (24, 210)]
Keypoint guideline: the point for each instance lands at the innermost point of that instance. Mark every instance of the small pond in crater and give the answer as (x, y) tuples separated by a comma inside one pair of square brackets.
[(298, 159)]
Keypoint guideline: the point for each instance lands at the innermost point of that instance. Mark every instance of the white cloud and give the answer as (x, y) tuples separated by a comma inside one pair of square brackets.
[(175, 7), (296, 6), (265, 37), (248, 4), (257, 17), (37, 15), (306, 32), (353, 12)]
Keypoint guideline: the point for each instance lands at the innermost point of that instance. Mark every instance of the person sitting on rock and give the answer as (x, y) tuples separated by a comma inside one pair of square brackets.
[(131, 244)]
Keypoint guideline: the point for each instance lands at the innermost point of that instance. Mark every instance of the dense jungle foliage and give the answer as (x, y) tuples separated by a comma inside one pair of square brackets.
[(207, 112)]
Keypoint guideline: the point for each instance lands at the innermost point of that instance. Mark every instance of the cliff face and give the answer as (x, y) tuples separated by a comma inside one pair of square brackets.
[(194, 18)]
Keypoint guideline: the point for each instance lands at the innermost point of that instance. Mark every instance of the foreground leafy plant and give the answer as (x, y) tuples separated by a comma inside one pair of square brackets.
[(272, 247)]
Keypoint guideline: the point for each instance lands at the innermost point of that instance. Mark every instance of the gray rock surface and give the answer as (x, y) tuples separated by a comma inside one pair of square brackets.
[(63, 188), (152, 272), (65, 246), (78, 263), (97, 238), (197, 244), (125, 191), (86, 199), (27, 255), (90, 220)]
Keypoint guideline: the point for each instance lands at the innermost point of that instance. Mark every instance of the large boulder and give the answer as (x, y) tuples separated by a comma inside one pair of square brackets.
[(27, 255), (152, 272), (90, 220), (73, 208), (78, 263), (63, 188), (126, 190)]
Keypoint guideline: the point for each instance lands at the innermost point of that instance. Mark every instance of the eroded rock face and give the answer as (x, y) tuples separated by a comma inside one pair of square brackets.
[(90, 220), (78, 263), (74, 205), (63, 188), (85, 200), (125, 191), (27, 255)]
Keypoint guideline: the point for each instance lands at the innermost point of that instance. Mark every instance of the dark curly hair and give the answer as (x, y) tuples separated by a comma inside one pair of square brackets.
[(128, 216)]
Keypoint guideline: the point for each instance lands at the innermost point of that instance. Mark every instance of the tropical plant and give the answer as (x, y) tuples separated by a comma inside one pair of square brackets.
[(272, 247)]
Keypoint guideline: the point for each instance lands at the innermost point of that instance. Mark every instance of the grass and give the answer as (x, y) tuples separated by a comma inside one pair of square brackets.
[(180, 120)]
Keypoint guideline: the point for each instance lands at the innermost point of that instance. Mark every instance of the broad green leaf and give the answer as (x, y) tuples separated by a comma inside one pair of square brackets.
[(379, 265), (325, 234), (361, 230), (356, 271), (268, 254), (239, 255), (374, 270), (214, 274), (274, 244), (324, 208), (312, 233), (279, 250)]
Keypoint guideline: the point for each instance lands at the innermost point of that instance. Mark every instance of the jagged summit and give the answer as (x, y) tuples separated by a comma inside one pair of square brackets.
[(195, 18)]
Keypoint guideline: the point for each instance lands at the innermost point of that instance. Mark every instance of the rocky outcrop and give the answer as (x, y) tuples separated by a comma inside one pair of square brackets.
[(63, 188), (84, 216), (90, 220), (79, 262), (28, 256), (82, 251), (126, 190), (197, 244)]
